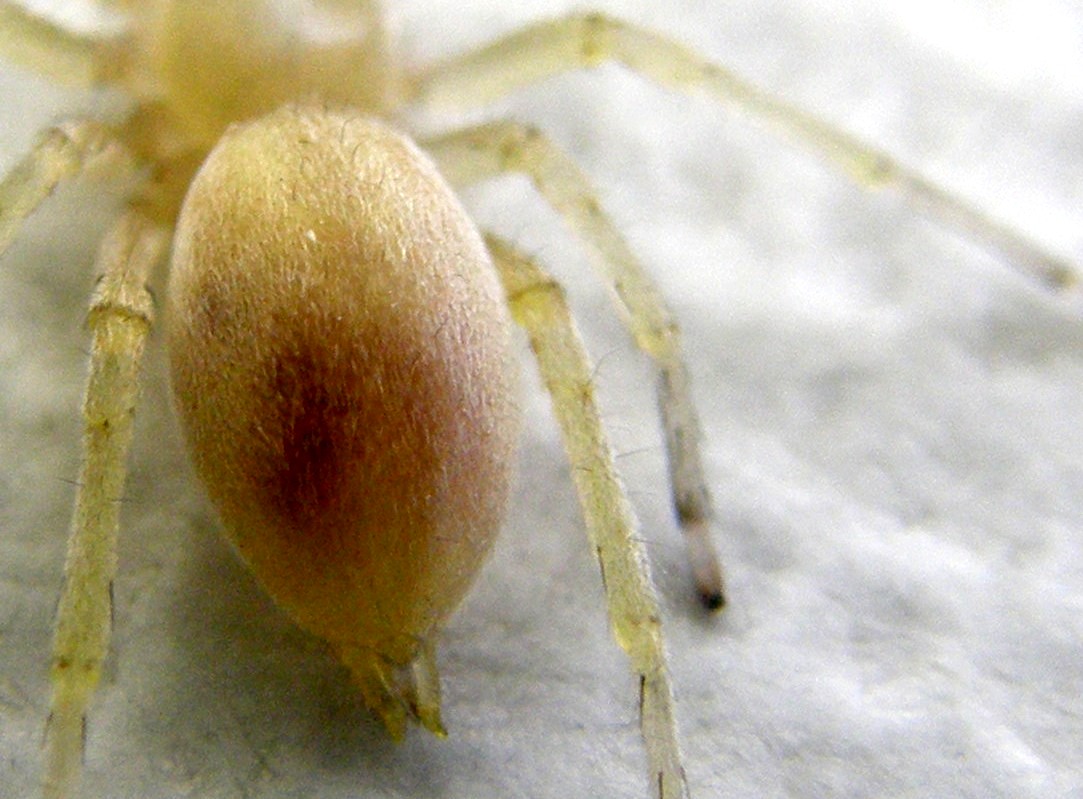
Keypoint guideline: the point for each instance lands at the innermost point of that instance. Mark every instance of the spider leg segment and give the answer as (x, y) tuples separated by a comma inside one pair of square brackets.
[(60, 152), (51, 51), (587, 40), (476, 154), (538, 305), (119, 319)]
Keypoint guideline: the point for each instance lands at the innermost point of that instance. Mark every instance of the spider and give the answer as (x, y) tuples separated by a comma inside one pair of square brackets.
[(169, 134)]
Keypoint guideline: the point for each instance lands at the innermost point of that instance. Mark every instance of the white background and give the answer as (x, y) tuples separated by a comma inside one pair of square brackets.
[(894, 438)]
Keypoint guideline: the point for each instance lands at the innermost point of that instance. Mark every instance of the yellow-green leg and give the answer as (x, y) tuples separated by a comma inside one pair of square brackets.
[(48, 49), (59, 153), (584, 40), (119, 320), (475, 154), (537, 303)]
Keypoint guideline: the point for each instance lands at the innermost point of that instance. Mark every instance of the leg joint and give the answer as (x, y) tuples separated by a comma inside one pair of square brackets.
[(545, 291), (113, 299), (595, 33), (516, 143)]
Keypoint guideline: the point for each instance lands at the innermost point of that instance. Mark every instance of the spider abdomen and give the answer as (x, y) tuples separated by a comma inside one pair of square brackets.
[(340, 356)]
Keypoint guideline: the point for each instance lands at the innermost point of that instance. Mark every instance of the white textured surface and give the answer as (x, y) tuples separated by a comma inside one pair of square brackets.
[(894, 437)]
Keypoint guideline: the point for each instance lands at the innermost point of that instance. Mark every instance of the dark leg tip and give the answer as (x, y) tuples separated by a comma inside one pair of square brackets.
[(713, 600)]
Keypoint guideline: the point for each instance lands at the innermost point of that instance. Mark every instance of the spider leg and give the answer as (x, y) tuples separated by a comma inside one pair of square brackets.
[(476, 154), (538, 305), (119, 319), (587, 40), (48, 49), (59, 153)]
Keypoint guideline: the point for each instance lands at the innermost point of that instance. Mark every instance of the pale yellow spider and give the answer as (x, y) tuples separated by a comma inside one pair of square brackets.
[(464, 157)]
